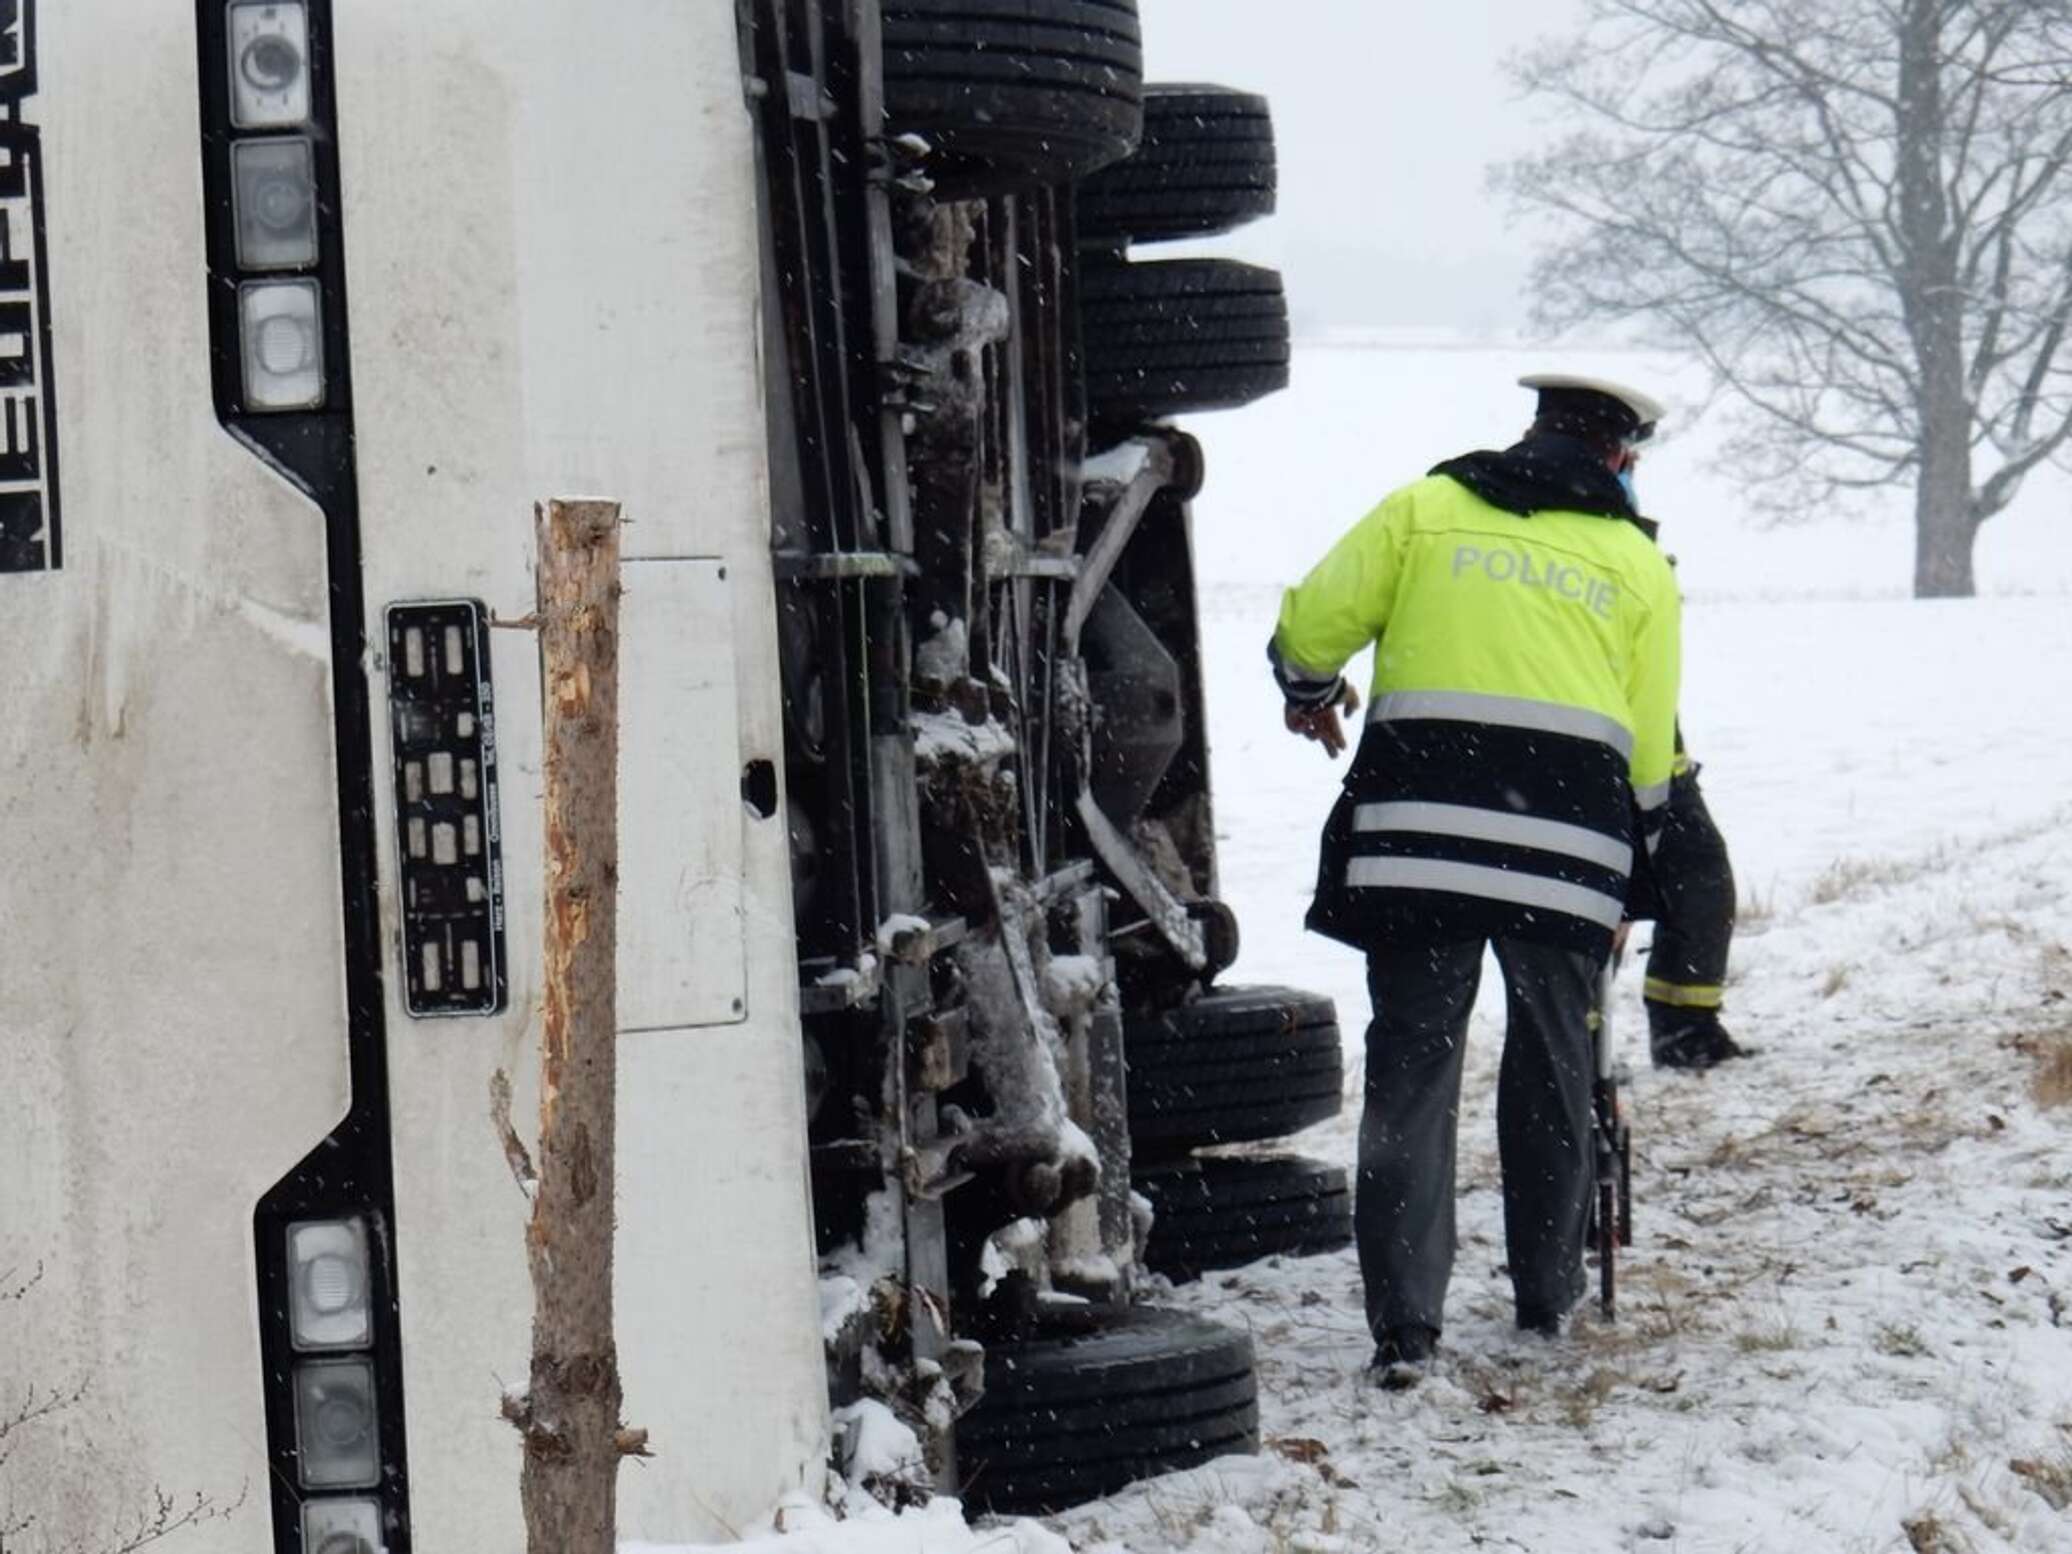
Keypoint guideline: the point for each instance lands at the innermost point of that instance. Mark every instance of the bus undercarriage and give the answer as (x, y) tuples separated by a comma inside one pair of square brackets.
[(996, 764)]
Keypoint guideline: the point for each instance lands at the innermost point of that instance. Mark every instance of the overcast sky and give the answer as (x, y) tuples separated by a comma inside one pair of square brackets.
[(1386, 114)]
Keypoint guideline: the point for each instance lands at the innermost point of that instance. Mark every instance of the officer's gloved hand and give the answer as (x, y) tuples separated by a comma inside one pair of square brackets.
[(1320, 720)]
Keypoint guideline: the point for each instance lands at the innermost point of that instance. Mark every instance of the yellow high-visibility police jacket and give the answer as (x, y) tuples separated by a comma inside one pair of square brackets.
[(1521, 722)]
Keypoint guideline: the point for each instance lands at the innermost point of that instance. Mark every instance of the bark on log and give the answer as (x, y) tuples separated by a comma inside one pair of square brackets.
[(570, 1414)]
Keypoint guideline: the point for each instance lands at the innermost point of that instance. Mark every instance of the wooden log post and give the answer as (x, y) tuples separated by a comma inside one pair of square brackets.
[(569, 1416)]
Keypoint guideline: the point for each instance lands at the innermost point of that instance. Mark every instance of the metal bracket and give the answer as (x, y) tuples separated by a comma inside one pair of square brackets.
[(1153, 473), (833, 996), (1166, 911), (918, 946)]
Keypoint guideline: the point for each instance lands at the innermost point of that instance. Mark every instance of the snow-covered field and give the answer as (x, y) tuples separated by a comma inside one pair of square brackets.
[(1846, 1322)]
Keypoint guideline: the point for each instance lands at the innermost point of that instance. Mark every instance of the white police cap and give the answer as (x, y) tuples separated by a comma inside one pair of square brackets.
[(1572, 391)]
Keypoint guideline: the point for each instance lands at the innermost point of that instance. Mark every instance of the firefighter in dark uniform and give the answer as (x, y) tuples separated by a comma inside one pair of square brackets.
[(1690, 894), (1517, 756), (1694, 924)]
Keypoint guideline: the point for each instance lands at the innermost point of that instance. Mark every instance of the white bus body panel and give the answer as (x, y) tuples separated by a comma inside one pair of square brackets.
[(551, 245), (171, 1016)]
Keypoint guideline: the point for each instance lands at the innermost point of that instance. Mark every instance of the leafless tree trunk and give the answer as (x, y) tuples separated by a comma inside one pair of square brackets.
[(570, 1414), (1928, 260)]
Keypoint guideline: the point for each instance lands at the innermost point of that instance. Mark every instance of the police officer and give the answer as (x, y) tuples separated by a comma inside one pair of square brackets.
[(1517, 753)]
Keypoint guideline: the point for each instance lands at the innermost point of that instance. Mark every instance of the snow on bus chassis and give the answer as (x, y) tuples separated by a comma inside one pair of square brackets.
[(306, 307)]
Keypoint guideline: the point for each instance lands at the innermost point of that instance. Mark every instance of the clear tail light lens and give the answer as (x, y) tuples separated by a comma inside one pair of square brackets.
[(335, 1424), (281, 333), (269, 64), (274, 202), (341, 1527), (330, 1300)]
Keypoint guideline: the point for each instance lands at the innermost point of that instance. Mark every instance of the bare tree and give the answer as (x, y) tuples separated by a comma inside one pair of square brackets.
[(1856, 212)]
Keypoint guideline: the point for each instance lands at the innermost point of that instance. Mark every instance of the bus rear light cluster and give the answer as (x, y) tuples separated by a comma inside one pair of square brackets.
[(273, 196), (330, 1335), (337, 1434)]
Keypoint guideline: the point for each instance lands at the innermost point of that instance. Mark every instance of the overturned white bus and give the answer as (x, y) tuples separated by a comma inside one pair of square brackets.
[(306, 307)]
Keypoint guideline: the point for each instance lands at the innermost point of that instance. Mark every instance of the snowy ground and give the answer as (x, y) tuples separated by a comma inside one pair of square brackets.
[(1843, 1311), (1847, 1319)]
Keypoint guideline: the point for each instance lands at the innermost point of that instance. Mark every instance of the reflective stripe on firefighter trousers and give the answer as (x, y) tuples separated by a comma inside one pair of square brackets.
[(1683, 995)]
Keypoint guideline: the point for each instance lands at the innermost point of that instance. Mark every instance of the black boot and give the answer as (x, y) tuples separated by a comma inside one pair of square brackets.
[(1689, 1038), (1403, 1357), (1548, 1324)]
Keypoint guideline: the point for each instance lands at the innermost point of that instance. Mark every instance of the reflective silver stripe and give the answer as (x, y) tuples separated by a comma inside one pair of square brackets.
[(1472, 879), (1653, 796), (1295, 674), (1506, 712), (1488, 825)]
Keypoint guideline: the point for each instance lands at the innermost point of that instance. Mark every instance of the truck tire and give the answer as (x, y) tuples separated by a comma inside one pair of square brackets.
[(1205, 165), (1011, 93), (1068, 1419), (1236, 1065), (1177, 335), (1218, 1213)]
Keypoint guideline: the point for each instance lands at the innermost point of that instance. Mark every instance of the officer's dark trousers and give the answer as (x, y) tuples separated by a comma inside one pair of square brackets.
[(1694, 885), (1404, 1209)]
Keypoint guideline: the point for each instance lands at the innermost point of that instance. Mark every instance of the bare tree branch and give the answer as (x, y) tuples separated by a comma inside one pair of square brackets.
[(35, 1403), (168, 1516)]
